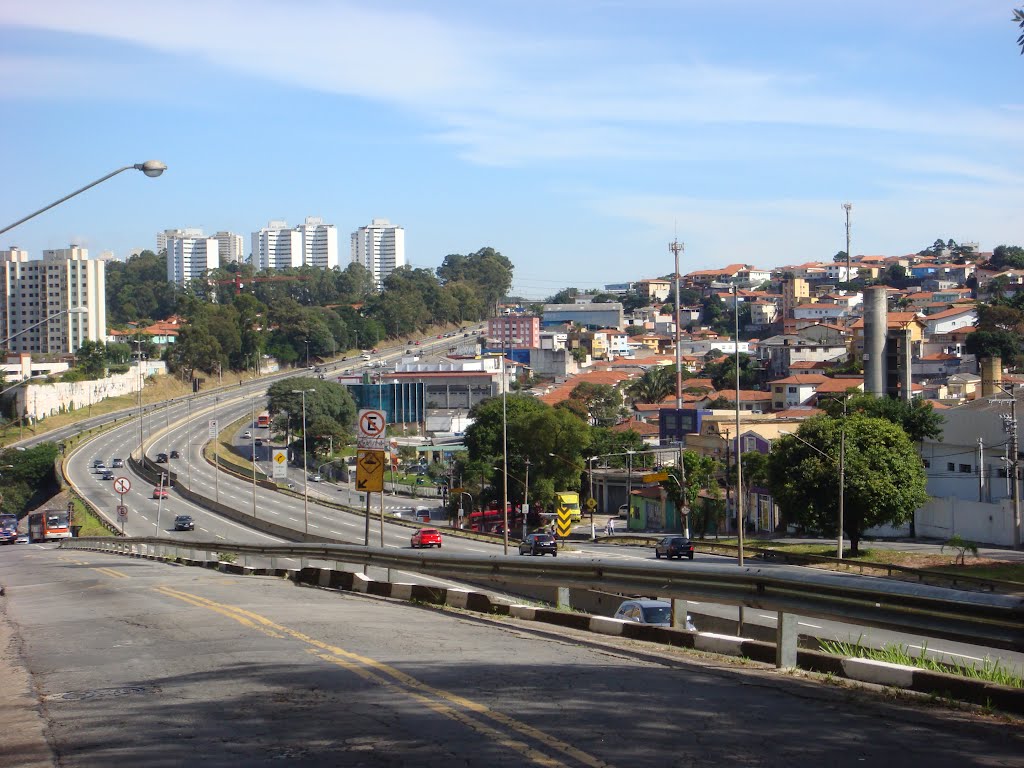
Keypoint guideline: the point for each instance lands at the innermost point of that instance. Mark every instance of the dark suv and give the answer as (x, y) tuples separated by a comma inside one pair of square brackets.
[(674, 546), (539, 544)]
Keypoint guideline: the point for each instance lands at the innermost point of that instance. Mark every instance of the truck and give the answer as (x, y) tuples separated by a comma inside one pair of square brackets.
[(569, 500)]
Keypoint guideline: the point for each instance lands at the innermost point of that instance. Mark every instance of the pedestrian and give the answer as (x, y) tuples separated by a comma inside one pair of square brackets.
[(610, 528)]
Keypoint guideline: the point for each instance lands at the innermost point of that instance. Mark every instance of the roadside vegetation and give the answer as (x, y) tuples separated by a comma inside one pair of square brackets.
[(987, 670)]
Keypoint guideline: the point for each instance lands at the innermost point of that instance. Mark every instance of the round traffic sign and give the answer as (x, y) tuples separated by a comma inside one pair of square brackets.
[(122, 511), (122, 485), (372, 423)]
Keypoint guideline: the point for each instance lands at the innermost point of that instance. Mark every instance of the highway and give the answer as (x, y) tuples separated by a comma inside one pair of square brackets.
[(145, 663), (149, 517)]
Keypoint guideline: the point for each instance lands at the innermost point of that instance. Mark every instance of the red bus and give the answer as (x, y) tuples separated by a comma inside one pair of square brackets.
[(52, 524), (492, 519), (263, 420)]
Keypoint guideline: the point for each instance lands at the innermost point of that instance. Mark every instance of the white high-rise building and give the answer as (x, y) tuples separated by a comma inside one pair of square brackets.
[(230, 247), (276, 246), (39, 292), (319, 243), (380, 248), (191, 258), (161, 237)]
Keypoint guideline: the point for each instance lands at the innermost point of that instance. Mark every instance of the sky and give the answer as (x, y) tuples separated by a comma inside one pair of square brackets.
[(577, 137)]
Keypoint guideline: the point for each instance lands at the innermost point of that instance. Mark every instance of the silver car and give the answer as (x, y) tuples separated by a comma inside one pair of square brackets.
[(655, 612)]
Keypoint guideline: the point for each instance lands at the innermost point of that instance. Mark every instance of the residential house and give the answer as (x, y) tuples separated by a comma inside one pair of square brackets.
[(778, 353), (792, 391)]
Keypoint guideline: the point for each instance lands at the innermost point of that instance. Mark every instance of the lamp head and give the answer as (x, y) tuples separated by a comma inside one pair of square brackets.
[(151, 168)]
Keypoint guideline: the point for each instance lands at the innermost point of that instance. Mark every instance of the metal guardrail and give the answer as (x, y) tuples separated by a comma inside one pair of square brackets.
[(890, 570), (993, 621)]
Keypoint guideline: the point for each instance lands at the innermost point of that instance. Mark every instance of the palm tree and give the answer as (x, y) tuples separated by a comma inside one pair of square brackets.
[(655, 385)]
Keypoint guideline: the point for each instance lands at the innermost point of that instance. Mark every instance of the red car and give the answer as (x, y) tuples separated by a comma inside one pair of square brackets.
[(426, 537), (159, 493)]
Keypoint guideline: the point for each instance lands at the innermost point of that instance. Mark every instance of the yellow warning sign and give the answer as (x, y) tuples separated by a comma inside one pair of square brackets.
[(656, 477), (370, 471), (563, 523)]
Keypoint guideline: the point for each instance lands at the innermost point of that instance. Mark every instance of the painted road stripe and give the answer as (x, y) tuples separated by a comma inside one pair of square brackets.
[(439, 700), (111, 572)]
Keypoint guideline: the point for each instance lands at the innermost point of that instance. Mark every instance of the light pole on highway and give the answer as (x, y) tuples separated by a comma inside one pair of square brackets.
[(151, 168), (188, 440), (216, 447), (252, 456), (305, 478)]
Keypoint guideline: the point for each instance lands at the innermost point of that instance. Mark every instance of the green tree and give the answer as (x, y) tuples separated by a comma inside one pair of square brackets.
[(28, 478), (885, 479), (917, 418), (1007, 257), (723, 373), (602, 403), (487, 270), (683, 487), (91, 359), (330, 409)]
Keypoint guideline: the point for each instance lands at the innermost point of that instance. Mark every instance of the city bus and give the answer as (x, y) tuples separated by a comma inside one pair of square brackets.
[(263, 420), (492, 519), (52, 524), (8, 529)]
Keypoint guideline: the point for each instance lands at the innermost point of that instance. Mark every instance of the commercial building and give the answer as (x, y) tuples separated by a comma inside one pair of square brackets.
[(380, 247), (40, 293)]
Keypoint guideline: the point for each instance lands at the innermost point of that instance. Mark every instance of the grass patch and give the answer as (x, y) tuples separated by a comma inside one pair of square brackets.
[(988, 670), (90, 524)]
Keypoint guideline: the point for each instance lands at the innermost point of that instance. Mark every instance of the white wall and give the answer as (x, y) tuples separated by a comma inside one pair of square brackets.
[(975, 521), (37, 401)]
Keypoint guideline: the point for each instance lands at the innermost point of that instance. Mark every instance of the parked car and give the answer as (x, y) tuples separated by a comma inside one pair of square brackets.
[(674, 546), (175, 455), (655, 612), (117, 463), (161, 458), (108, 475), (538, 544), (159, 493), (184, 523), (426, 537)]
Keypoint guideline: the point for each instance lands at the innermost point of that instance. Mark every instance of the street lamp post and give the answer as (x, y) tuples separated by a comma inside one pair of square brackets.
[(739, 454), (841, 462), (305, 478), (306, 341), (252, 455), (216, 447), (151, 168), (526, 497)]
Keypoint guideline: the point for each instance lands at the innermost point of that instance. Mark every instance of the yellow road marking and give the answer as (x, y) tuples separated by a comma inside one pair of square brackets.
[(111, 572), (371, 669)]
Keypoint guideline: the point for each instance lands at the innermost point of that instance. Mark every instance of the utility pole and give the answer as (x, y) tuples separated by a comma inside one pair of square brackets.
[(1010, 426), (849, 275), (676, 247)]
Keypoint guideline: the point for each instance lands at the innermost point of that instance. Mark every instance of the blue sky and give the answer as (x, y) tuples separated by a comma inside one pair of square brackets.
[(577, 137)]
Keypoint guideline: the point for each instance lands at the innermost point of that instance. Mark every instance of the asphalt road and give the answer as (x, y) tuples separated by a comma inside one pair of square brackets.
[(145, 513), (143, 663)]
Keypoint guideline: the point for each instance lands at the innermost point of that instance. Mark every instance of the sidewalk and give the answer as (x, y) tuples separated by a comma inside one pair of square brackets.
[(25, 744)]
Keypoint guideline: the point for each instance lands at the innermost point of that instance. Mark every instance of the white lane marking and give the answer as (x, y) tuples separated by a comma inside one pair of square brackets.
[(312, 525), (218, 536), (939, 651), (805, 624)]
